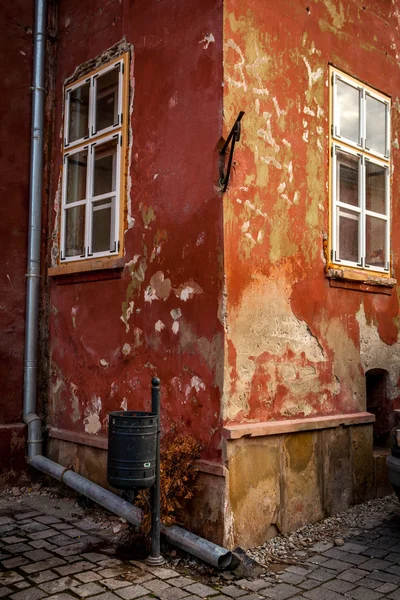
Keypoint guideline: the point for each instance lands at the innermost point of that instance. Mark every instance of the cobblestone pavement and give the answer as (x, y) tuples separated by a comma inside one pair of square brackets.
[(43, 556)]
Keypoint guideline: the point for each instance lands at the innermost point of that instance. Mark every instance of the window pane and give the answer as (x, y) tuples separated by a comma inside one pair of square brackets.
[(376, 125), (107, 100), (376, 237), (347, 178), (78, 113), (102, 222), (375, 187), (348, 113), (76, 176), (105, 168), (348, 222), (75, 231)]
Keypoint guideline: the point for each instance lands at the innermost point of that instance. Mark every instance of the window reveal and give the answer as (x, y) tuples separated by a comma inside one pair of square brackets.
[(360, 175), (92, 182)]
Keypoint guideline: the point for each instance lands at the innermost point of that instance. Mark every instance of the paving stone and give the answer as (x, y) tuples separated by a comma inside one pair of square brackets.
[(47, 519), (182, 581), (337, 565), (58, 585), (76, 567), (60, 540), (74, 533), (62, 596), (87, 589), (37, 555), (356, 559), (376, 553), (322, 574), (42, 565), (233, 591), (42, 544), (7, 521), (156, 586), (353, 575), (71, 550), (254, 586), (105, 596), (21, 585), (321, 546), (163, 573), (13, 563), (174, 593), (353, 548), (369, 583), (291, 578), (385, 577), (10, 577), (309, 584), (43, 534), (112, 572), (13, 539), (31, 594), (361, 593), (115, 584), (322, 594), (26, 515), (199, 589), (395, 569), (5, 592), (61, 526), (393, 557), (386, 588), (297, 569), (95, 557), (32, 527), (111, 562), (281, 591), (87, 576), (43, 576), (395, 595), (18, 548), (376, 564), (338, 585), (131, 592)]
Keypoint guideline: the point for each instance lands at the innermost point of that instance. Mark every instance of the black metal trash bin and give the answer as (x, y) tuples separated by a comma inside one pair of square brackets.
[(132, 442)]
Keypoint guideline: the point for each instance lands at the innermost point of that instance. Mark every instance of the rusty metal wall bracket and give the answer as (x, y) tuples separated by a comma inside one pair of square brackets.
[(233, 137)]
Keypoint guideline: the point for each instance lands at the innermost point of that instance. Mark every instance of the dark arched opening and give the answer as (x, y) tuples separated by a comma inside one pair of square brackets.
[(379, 404)]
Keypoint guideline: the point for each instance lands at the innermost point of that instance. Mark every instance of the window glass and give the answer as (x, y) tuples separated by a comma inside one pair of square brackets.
[(102, 226), (348, 235), (376, 125), (107, 100), (75, 231), (375, 241), (375, 187), (348, 113), (105, 161), (348, 178), (76, 176), (78, 113)]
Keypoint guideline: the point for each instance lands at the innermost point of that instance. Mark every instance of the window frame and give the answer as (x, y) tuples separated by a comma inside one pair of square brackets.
[(337, 142), (92, 140)]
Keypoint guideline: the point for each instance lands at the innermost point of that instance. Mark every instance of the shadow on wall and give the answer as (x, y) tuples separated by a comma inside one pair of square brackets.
[(380, 405)]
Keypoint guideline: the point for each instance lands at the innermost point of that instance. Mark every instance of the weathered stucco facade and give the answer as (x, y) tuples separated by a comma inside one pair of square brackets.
[(226, 297)]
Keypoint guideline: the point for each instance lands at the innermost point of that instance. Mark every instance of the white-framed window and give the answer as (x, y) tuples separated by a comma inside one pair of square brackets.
[(93, 151), (360, 171)]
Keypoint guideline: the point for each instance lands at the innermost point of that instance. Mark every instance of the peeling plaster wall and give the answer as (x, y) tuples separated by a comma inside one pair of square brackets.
[(15, 114), (295, 346), (110, 335)]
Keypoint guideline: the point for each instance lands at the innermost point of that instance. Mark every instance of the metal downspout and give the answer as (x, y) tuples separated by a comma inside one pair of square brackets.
[(34, 234), (203, 549)]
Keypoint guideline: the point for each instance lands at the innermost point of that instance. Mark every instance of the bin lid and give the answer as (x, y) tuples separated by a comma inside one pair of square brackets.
[(126, 414)]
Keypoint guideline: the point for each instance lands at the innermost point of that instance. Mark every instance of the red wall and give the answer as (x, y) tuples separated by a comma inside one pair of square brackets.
[(298, 347), (99, 355)]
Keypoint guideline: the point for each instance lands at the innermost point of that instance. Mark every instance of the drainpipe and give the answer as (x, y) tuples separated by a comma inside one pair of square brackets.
[(34, 237), (199, 547)]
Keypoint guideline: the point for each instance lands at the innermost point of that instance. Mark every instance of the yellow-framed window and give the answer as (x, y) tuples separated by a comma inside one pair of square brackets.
[(360, 175), (94, 159)]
